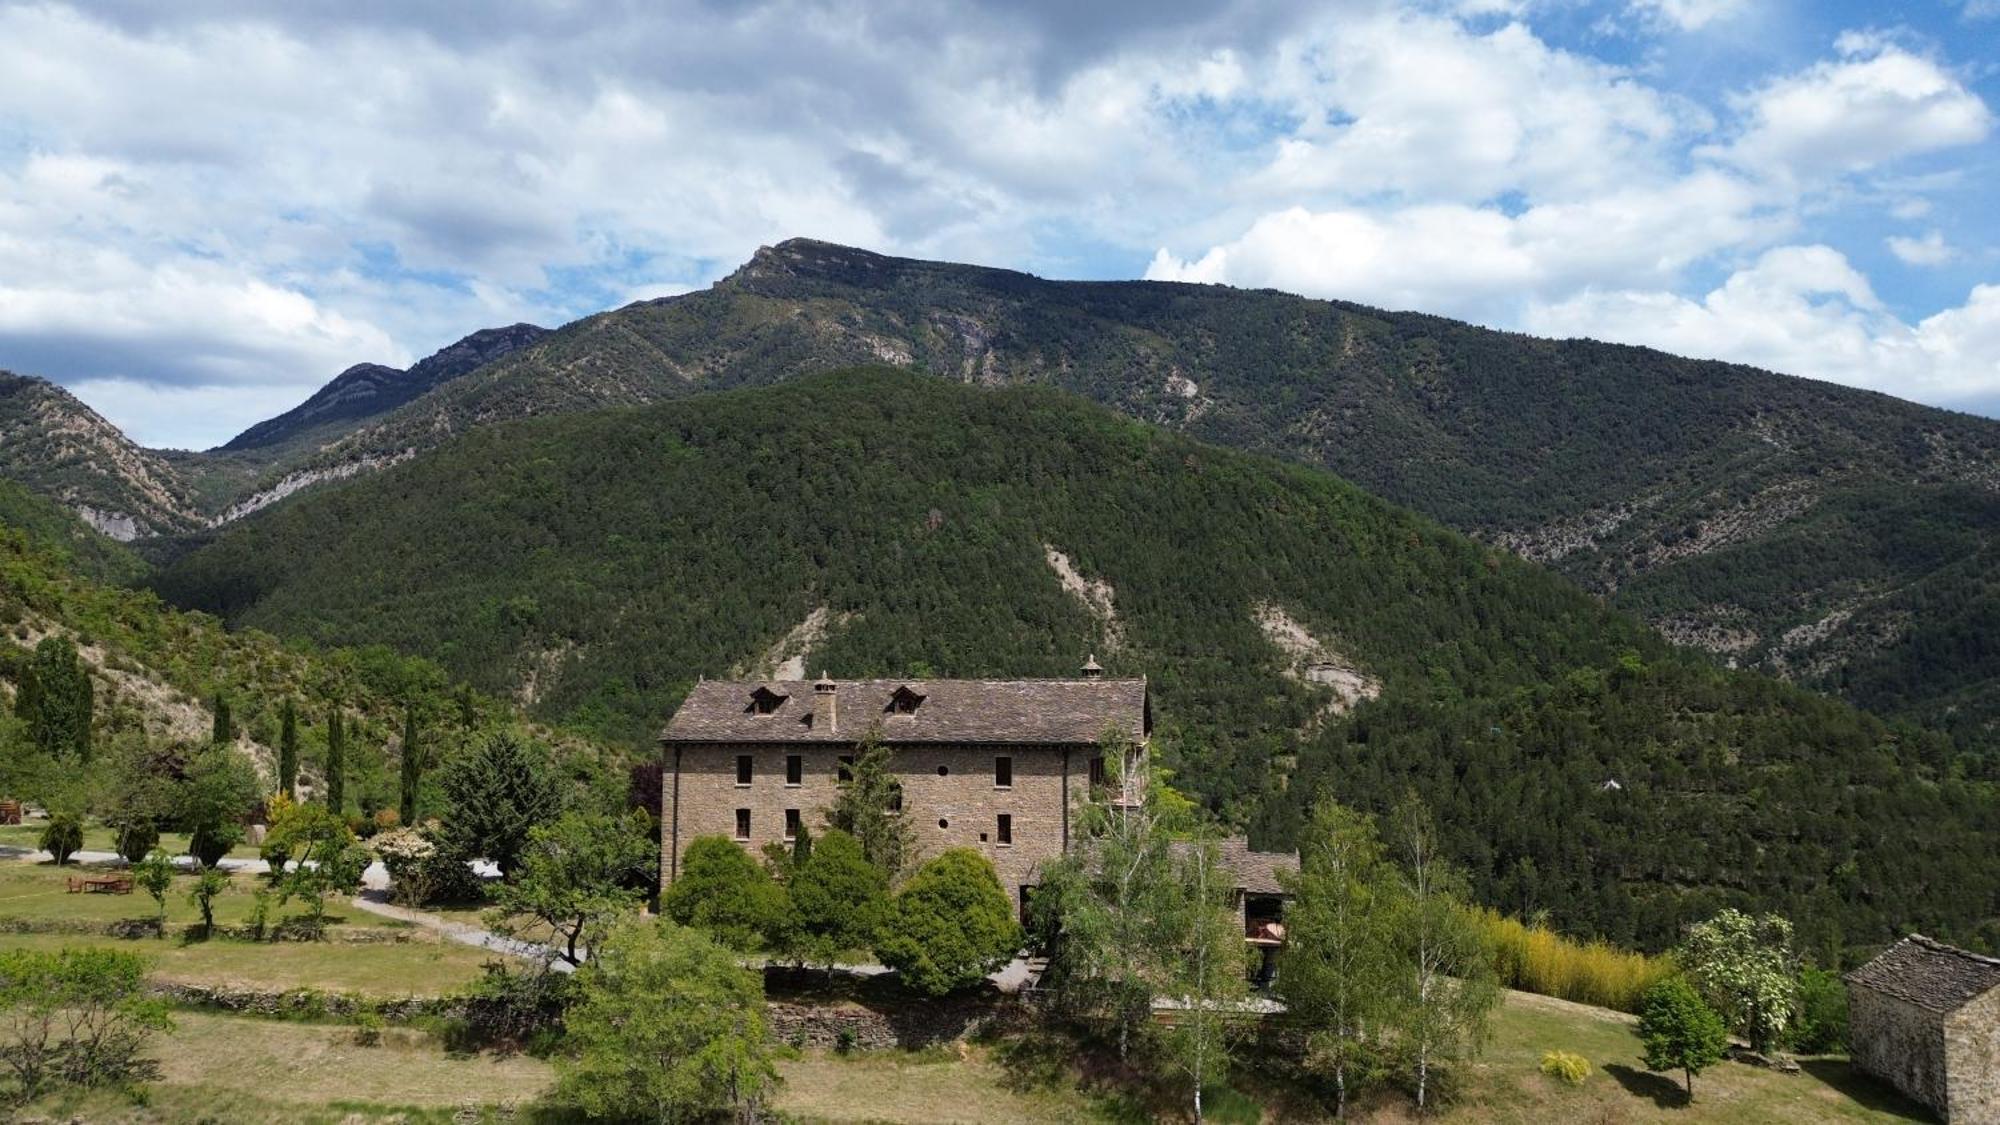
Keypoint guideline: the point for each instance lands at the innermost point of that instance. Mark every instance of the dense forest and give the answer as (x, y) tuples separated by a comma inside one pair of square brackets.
[(596, 564)]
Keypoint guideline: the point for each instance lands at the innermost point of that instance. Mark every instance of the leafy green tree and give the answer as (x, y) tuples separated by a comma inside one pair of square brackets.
[(1210, 976), (1821, 1026), (288, 750), (1743, 967), (336, 761), (1339, 965), (869, 807), (79, 1016), (63, 837), (839, 901), (493, 795), (210, 883), (155, 876), (55, 700), (330, 862), (223, 732), (1446, 987), (576, 877), (1112, 905), (411, 765), (220, 789), (668, 1028), (1680, 1031), (949, 925), (724, 893)]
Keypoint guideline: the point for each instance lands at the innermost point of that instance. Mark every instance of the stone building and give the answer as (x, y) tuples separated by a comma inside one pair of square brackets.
[(993, 765), (998, 766), (1925, 1017)]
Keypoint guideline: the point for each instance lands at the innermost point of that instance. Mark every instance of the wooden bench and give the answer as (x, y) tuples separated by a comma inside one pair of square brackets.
[(101, 884)]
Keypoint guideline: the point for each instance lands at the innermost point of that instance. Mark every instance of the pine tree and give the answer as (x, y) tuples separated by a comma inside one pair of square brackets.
[(412, 766), (870, 808), (336, 762), (493, 795), (288, 750), (224, 731)]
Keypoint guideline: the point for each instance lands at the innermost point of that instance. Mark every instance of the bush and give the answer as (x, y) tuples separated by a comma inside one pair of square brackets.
[(79, 1016), (63, 837), (723, 892), (1536, 959), (135, 838), (1566, 1067), (367, 1028), (521, 1009), (1822, 1016), (950, 925)]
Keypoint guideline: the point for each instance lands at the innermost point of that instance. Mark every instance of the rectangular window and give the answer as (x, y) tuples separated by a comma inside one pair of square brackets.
[(1003, 773), (847, 767), (1097, 771), (1006, 829), (795, 769), (743, 824), (743, 769), (791, 824)]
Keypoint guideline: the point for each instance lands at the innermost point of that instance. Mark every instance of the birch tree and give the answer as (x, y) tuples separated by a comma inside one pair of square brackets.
[(1338, 971), (1447, 983), (1212, 971)]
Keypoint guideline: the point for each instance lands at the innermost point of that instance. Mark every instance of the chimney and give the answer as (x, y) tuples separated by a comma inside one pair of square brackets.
[(1092, 670), (826, 718)]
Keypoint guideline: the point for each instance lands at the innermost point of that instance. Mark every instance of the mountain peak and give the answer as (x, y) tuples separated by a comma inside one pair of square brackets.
[(814, 259)]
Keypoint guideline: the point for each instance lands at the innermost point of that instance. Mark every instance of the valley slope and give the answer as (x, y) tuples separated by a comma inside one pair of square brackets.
[(1840, 538), (1299, 634)]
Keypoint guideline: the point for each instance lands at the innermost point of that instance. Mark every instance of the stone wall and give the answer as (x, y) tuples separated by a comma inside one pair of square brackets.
[(1899, 1043), (1972, 1060), (912, 1026), (958, 807)]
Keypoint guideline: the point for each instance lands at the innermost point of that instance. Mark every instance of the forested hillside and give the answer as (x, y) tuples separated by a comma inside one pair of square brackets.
[(878, 523), (157, 671), (1712, 499)]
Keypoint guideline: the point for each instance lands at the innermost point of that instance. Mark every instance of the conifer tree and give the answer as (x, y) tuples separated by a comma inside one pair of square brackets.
[(870, 808), (288, 750), (412, 764), (336, 761), (56, 700), (224, 731)]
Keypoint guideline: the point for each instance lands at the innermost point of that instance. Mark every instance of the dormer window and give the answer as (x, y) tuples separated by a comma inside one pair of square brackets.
[(905, 701), (763, 701)]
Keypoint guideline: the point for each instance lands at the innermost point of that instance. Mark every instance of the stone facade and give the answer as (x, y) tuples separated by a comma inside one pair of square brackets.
[(950, 792), (1925, 1017)]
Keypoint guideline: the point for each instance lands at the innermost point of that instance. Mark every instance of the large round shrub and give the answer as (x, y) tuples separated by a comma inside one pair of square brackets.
[(950, 925)]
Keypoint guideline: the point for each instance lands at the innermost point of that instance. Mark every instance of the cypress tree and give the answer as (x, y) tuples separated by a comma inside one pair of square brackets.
[(336, 762), (224, 731), (288, 751), (412, 765), (58, 707)]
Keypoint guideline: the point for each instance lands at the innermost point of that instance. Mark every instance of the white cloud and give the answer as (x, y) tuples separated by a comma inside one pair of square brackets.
[(1929, 250), (1688, 15), (1806, 311), (1877, 103)]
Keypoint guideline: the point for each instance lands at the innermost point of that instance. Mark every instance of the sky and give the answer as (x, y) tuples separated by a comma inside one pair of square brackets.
[(209, 208)]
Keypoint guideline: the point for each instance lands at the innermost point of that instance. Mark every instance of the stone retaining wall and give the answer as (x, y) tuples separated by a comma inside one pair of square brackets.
[(288, 930)]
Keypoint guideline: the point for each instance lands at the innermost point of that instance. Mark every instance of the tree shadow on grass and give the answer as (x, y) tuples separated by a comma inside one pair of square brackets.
[(1663, 1091), (1865, 1089)]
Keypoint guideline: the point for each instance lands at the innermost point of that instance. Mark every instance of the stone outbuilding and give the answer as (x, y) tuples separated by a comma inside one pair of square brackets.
[(1925, 1017)]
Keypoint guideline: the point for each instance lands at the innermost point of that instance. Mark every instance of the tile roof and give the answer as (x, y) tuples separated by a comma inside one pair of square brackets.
[(1060, 712), (1930, 974)]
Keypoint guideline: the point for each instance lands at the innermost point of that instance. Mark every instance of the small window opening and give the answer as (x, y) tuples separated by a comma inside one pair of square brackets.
[(795, 769), (944, 771), (1006, 827), (743, 768), (1003, 773), (943, 823), (791, 824), (846, 772), (763, 701), (743, 824), (905, 702), (1097, 771)]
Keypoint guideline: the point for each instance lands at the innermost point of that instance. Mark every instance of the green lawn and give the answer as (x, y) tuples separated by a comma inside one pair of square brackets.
[(40, 890), (1506, 1085), (97, 838), (232, 1068), (424, 966), (962, 1085)]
